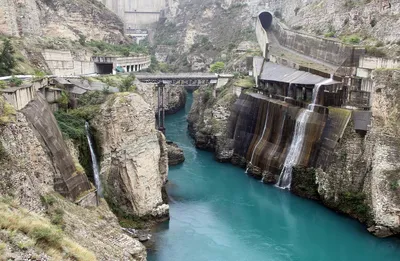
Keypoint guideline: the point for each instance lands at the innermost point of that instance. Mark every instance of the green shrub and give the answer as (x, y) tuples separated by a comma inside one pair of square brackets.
[(352, 39), (46, 234), (330, 34), (127, 84), (373, 51), (3, 85), (48, 200), (217, 67), (7, 59), (14, 81), (57, 217)]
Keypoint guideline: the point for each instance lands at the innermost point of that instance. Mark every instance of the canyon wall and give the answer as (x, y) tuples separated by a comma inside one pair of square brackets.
[(33, 158), (61, 18)]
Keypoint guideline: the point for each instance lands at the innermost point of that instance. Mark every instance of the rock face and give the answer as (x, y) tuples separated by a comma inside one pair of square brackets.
[(69, 19), (363, 180), (28, 171), (174, 96), (208, 120), (133, 164), (175, 154)]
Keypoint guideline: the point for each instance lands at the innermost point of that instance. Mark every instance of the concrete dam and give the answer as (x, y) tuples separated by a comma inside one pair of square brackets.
[(297, 117)]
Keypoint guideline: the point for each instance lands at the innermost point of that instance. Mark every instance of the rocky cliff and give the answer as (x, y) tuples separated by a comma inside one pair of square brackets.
[(134, 156), (199, 27), (60, 18), (208, 120), (28, 170)]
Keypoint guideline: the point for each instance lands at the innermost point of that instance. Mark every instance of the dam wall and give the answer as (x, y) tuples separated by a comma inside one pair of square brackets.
[(263, 130)]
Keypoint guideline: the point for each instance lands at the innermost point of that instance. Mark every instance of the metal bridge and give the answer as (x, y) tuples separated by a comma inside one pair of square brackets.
[(184, 79)]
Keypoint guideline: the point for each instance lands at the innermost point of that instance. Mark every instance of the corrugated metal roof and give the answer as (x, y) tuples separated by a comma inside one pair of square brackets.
[(279, 73)]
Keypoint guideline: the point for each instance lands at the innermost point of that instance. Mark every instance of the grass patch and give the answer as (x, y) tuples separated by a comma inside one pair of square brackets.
[(246, 82), (7, 112), (45, 236), (351, 39)]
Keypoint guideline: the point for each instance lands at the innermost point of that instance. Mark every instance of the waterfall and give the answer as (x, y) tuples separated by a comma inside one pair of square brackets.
[(95, 166), (262, 136), (316, 91), (285, 179)]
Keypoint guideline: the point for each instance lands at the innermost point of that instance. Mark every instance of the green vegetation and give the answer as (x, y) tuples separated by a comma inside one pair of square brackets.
[(374, 51), (104, 48), (3, 85), (42, 234), (7, 112), (329, 34), (217, 67), (7, 59), (351, 39), (245, 82), (303, 182), (15, 82), (127, 84), (355, 204)]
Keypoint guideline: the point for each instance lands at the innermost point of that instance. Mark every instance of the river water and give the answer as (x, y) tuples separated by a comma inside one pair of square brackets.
[(219, 213)]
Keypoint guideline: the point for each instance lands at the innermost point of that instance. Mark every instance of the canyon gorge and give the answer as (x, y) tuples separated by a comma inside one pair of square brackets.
[(199, 130)]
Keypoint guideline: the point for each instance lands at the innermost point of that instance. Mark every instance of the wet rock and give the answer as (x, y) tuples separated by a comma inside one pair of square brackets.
[(175, 154)]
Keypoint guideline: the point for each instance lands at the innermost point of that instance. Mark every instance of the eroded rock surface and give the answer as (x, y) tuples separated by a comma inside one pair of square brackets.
[(175, 154), (133, 165)]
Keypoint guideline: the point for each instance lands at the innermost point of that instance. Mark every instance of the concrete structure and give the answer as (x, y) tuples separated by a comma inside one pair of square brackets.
[(137, 34), (189, 80), (61, 62), (108, 65), (137, 14)]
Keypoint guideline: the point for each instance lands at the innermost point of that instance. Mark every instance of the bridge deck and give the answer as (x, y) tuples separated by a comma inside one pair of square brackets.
[(175, 76)]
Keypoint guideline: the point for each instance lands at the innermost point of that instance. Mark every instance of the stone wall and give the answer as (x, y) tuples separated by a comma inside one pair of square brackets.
[(62, 63)]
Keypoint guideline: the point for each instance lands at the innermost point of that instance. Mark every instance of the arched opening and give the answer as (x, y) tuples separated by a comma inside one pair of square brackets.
[(265, 19)]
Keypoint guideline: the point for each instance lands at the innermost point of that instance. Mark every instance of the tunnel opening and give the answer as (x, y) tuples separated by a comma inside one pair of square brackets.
[(104, 68), (265, 19)]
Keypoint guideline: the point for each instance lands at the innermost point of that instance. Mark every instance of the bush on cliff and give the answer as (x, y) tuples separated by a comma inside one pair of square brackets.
[(7, 60), (217, 67)]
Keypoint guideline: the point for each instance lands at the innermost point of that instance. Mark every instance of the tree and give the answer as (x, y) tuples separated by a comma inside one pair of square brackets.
[(127, 84), (217, 67), (7, 60)]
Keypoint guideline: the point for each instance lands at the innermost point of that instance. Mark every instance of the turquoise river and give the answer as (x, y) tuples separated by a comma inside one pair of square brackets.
[(219, 213)]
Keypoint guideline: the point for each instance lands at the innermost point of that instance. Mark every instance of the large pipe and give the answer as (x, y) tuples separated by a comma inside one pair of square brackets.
[(265, 19)]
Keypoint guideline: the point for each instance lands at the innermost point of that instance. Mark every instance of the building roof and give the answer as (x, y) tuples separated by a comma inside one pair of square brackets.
[(279, 73)]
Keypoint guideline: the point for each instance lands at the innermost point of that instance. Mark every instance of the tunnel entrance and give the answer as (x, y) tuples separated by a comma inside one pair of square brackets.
[(265, 19), (104, 68)]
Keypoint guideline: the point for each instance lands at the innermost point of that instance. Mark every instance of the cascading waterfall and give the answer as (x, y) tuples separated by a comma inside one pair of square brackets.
[(285, 179), (95, 165), (316, 91), (262, 136)]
